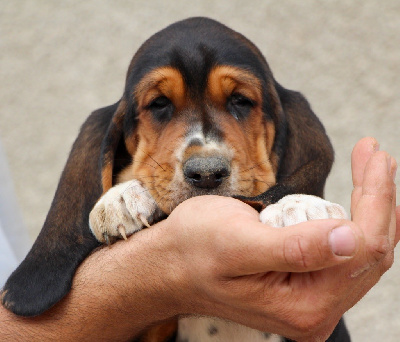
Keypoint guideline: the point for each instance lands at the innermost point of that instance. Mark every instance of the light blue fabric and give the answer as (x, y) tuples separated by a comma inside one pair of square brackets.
[(8, 260), (14, 239)]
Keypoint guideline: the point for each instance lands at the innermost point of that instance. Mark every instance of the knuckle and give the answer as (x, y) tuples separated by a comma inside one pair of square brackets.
[(388, 196), (308, 324), (388, 261), (378, 250), (294, 252)]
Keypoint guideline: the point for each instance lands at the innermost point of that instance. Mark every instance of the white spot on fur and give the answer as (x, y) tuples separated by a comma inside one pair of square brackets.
[(197, 329)]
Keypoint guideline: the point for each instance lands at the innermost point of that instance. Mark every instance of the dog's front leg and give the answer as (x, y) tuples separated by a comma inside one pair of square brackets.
[(123, 210)]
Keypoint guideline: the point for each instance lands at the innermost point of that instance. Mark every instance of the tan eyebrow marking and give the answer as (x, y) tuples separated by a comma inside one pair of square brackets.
[(163, 81), (225, 80)]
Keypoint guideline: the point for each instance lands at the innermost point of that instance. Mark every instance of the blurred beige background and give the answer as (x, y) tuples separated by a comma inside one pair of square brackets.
[(61, 60)]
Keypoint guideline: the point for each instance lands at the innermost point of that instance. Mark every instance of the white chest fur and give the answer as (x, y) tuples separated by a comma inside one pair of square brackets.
[(208, 329)]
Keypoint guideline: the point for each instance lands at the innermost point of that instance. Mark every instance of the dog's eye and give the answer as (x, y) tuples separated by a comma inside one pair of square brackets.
[(162, 108), (239, 105), (241, 101), (159, 103)]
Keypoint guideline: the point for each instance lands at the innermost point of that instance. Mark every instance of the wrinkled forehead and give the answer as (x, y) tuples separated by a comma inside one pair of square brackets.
[(194, 47)]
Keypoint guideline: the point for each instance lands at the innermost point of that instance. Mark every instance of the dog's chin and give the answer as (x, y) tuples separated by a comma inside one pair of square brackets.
[(183, 192)]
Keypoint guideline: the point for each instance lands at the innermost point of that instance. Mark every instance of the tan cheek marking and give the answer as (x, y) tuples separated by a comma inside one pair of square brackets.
[(250, 141), (155, 160), (145, 140), (106, 177), (270, 138), (108, 157), (131, 143), (263, 172), (270, 135), (165, 154)]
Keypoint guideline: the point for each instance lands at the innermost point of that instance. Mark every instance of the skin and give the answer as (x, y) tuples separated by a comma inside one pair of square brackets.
[(212, 256)]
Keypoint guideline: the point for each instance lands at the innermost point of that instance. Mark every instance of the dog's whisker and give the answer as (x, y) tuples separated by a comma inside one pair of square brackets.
[(254, 166), (150, 156), (143, 162), (257, 180)]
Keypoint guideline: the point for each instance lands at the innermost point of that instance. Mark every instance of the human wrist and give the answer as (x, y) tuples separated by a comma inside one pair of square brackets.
[(172, 287), (180, 258), (147, 273)]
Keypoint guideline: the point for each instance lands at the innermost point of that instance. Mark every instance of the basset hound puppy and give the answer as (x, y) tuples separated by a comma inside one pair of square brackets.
[(201, 114)]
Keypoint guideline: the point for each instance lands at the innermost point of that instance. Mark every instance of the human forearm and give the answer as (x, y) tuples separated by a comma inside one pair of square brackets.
[(116, 293)]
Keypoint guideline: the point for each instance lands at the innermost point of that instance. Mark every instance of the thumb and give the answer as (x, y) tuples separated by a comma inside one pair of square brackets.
[(305, 247)]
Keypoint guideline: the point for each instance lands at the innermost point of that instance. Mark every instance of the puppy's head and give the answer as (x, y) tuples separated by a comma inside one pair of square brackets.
[(197, 119)]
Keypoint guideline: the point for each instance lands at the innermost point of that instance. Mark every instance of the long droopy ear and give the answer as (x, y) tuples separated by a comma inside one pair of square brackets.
[(308, 154), (45, 275), (302, 150), (116, 151)]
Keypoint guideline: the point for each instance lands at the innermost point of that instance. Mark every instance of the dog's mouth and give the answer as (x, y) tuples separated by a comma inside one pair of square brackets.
[(204, 175)]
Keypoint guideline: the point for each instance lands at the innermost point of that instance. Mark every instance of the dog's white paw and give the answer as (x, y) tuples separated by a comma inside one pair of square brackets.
[(293, 209), (121, 211)]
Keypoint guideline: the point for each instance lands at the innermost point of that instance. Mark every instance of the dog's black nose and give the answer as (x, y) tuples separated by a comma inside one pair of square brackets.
[(206, 172)]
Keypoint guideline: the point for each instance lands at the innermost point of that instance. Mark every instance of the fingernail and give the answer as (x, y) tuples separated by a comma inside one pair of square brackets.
[(343, 241)]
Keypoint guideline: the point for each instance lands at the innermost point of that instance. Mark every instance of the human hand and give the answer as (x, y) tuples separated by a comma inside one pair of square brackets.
[(213, 257), (287, 281)]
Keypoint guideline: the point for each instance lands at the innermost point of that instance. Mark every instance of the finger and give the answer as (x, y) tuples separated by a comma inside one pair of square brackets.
[(397, 237), (362, 151), (308, 246), (374, 213), (397, 209), (375, 203), (393, 222)]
